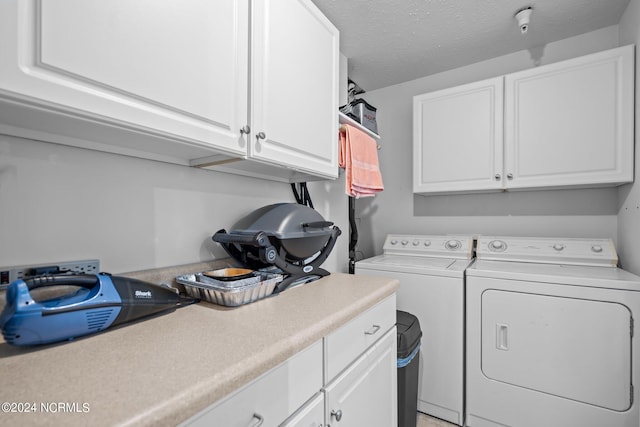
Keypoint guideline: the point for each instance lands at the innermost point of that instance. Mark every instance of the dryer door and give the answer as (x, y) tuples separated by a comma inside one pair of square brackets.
[(573, 348)]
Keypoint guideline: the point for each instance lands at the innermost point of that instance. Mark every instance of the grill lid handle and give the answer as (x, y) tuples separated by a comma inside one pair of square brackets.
[(259, 239), (317, 224)]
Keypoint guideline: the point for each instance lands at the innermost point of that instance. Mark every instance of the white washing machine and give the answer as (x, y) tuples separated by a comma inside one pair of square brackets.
[(550, 335), (431, 273)]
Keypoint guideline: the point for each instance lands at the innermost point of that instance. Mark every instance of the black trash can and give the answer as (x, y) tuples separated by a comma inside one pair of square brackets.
[(409, 334)]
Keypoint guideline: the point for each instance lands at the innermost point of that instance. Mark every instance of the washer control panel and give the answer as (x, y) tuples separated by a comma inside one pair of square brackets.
[(572, 251), (431, 246)]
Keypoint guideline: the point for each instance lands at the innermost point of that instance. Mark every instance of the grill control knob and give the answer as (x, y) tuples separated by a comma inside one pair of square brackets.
[(497, 246), (558, 247), (453, 245), (596, 248)]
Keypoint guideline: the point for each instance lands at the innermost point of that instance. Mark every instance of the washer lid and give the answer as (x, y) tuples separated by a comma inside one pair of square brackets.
[(590, 276), (414, 264), (594, 252)]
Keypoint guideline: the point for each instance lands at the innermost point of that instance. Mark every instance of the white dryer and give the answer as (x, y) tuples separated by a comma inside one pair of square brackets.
[(550, 335), (431, 273)]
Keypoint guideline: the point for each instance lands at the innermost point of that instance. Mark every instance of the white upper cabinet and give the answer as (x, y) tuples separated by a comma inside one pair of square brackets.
[(568, 124), (294, 103), (571, 123), (293, 126), (171, 81), (163, 80), (457, 136)]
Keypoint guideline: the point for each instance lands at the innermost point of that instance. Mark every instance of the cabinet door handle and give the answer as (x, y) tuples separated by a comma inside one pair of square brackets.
[(498, 176), (337, 414), (245, 129), (372, 331), (509, 176), (258, 422), (261, 135)]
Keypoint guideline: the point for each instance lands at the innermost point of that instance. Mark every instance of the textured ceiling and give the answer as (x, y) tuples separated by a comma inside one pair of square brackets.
[(392, 41)]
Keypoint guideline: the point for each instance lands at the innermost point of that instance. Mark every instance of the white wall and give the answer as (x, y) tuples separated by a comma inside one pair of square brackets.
[(569, 213), (629, 195), (60, 203)]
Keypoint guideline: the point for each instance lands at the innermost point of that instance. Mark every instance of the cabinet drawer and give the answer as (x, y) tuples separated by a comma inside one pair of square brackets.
[(347, 343), (270, 399)]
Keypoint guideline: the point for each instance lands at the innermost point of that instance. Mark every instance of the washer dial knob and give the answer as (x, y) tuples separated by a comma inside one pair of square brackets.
[(427, 243), (596, 248), (497, 246), (558, 247), (394, 242), (404, 242), (416, 242), (453, 245)]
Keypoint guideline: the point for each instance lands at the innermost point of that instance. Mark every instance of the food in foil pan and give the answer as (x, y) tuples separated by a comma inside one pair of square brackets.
[(230, 293)]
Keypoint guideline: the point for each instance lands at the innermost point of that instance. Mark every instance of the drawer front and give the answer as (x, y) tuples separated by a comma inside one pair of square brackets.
[(344, 346), (270, 399)]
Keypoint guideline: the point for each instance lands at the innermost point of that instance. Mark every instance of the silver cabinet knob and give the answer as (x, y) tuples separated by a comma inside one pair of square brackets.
[(498, 177), (245, 129), (337, 414), (509, 176), (261, 135)]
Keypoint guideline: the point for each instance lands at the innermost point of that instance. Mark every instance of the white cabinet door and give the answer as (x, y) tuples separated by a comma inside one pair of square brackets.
[(171, 76), (294, 100), (457, 138), (365, 394), (571, 123)]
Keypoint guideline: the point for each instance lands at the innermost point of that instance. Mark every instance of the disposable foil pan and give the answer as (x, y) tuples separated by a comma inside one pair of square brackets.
[(230, 293)]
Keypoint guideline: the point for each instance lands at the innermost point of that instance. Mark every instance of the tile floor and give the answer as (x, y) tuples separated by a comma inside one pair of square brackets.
[(427, 421)]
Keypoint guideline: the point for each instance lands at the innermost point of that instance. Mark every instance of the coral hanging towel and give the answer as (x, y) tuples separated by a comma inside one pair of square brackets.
[(359, 158)]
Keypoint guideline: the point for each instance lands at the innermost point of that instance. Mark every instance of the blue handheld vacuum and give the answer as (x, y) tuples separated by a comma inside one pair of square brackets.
[(102, 301)]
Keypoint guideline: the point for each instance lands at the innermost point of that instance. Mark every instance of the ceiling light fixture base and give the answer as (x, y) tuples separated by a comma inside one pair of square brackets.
[(523, 16)]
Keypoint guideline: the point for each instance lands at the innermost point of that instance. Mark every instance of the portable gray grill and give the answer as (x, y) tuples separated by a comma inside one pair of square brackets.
[(293, 237)]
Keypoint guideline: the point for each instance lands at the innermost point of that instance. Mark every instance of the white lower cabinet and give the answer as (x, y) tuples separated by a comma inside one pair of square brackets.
[(359, 387), (270, 399), (365, 393)]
